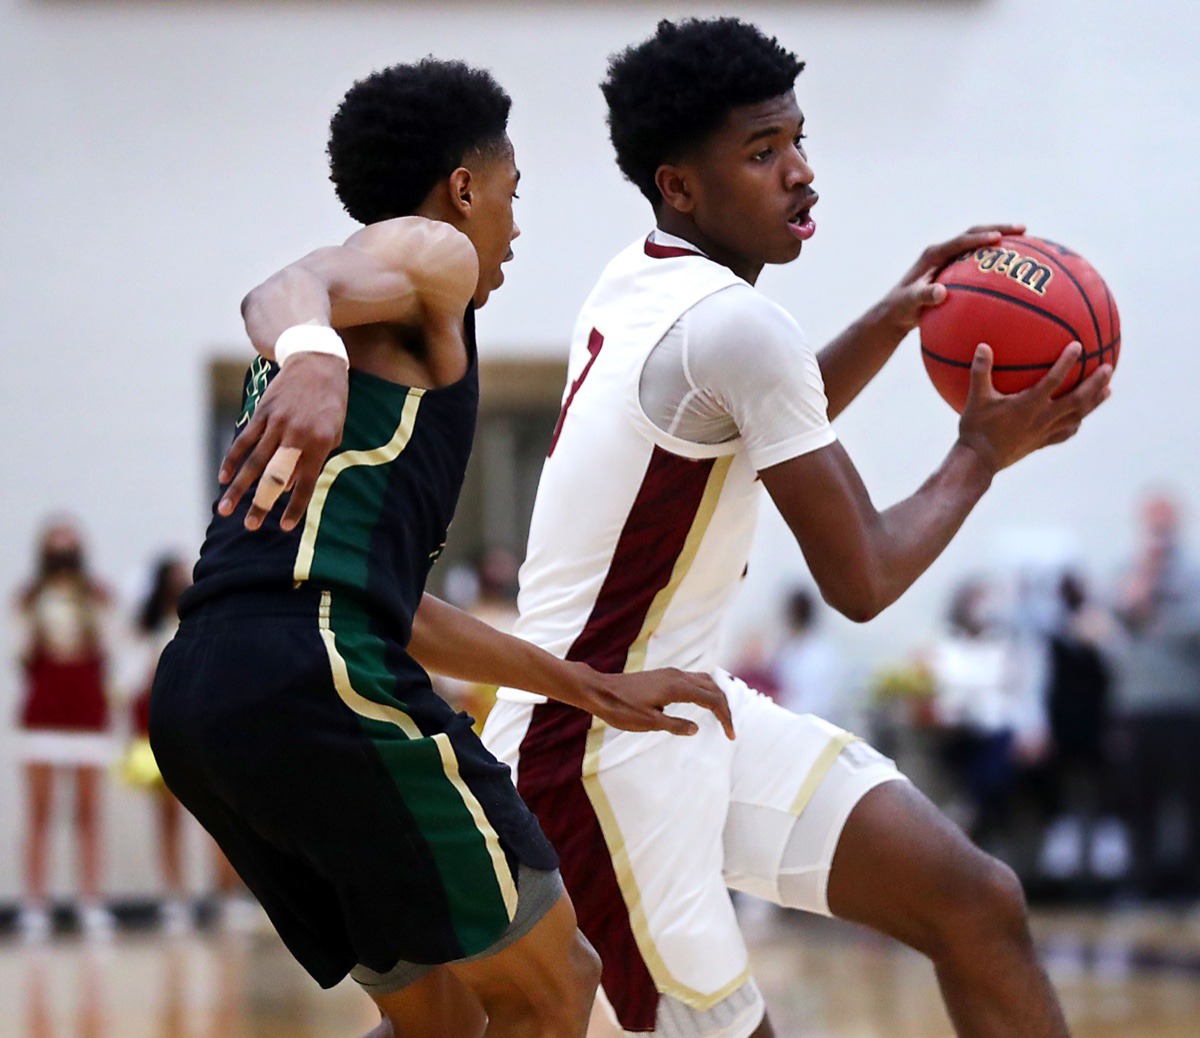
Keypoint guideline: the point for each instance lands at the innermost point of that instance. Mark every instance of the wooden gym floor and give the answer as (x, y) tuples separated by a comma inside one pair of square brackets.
[(1131, 974)]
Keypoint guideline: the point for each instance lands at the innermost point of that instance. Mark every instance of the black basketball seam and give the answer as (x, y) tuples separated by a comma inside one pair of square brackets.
[(1074, 281), (1111, 348), (1108, 301), (1016, 302), (1086, 302), (1000, 367)]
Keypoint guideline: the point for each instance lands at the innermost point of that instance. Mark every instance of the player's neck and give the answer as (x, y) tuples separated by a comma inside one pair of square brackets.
[(681, 226)]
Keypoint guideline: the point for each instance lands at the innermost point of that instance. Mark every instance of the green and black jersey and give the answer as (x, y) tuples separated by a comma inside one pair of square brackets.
[(360, 809), (381, 509)]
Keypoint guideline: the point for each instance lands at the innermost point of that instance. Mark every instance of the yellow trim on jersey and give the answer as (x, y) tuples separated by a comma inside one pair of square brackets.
[(631, 893), (508, 889), (338, 464), (341, 681), (636, 658), (820, 769)]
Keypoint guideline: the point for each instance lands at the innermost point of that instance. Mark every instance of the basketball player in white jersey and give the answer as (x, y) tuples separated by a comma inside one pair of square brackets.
[(688, 392)]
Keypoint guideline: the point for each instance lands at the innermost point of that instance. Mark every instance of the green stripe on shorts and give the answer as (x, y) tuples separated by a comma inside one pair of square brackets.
[(473, 870)]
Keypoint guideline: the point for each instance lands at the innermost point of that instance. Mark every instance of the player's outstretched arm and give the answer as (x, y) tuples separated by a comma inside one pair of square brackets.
[(863, 559), (396, 271), (855, 357), (448, 641)]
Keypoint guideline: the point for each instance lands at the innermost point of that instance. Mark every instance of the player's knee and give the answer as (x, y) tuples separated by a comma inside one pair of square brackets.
[(564, 1013), (543, 1016), (585, 969), (983, 906), (558, 1006), (1000, 900)]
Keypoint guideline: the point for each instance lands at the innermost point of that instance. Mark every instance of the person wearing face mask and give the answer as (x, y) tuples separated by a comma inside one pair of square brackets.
[(64, 718)]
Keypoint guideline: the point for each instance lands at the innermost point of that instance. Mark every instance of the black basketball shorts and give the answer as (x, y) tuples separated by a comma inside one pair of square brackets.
[(361, 811)]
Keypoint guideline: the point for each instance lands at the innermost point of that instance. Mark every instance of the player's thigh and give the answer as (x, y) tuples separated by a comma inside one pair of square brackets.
[(550, 972), (904, 868), (438, 1005), (796, 780)]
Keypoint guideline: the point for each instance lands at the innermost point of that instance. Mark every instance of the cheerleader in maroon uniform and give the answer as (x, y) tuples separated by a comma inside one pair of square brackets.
[(64, 717)]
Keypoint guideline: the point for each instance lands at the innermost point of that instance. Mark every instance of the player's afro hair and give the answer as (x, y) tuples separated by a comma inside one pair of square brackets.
[(401, 130), (667, 94)]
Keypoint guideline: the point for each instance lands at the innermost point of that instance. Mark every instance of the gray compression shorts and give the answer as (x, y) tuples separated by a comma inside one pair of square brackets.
[(537, 892)]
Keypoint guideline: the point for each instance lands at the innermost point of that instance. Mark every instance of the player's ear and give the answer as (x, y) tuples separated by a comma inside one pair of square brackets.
[(460, 191), (675, 188)]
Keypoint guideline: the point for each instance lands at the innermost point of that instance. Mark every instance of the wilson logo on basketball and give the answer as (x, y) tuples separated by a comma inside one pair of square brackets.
[(1029, 272)]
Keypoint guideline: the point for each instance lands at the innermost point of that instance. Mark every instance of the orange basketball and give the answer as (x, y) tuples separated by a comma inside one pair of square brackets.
[(1028, 299)]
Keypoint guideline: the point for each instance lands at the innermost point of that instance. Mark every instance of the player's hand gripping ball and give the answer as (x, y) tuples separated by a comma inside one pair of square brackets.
[(1027, 299)]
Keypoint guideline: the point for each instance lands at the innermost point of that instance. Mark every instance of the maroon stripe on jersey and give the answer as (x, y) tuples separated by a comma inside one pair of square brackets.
[(595, 341), (650, 542), (656, 251), (550, 772), (550, 781)]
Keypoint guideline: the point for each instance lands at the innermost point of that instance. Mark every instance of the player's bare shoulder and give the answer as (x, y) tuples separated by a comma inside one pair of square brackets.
[(438, 259)]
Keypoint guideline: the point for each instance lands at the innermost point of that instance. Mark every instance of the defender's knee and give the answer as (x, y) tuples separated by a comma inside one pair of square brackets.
[(558, 1009), (567, 1016), (585, 969)]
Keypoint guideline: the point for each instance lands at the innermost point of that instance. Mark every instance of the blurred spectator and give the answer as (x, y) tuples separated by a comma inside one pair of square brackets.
[(1075, 781), (808, 666), (1158, 703), (980, 703), (64, 718)]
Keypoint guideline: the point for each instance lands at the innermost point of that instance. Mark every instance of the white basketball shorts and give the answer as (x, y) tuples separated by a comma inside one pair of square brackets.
[(652, 831)]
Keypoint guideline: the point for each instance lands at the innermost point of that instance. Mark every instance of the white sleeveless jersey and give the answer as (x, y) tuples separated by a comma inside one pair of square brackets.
[(638, 539)]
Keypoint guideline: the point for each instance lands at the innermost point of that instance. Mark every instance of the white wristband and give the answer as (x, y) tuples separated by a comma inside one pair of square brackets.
[(309, 338)]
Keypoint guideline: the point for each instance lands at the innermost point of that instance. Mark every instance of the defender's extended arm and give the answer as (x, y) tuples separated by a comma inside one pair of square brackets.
[(448, 641)]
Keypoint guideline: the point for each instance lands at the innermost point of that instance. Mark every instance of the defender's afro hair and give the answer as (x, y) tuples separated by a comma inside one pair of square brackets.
[(401, 130), (667, 94)]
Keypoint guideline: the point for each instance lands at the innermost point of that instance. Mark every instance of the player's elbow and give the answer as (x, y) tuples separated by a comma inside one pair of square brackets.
[(857, 612), (289, 283), (291, 296), (249, 303), (858, 598), (258, 301)]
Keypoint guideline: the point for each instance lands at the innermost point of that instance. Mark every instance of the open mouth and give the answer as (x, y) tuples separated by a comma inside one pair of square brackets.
[(801, 222)]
